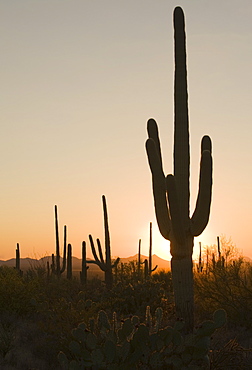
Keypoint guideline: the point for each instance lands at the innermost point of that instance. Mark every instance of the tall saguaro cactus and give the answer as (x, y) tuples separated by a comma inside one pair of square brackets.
[(171, 193), (105, 265)]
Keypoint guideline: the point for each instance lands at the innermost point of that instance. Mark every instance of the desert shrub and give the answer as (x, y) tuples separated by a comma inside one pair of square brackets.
[(164, 276), (127, 298), (227, 286), (15, 294)]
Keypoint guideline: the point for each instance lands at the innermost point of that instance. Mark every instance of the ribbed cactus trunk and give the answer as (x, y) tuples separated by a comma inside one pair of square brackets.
[(181, 263), (146, 270), (171, 193)]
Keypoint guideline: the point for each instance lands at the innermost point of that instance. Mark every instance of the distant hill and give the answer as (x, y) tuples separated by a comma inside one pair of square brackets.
[(162, 264), (26, 263)]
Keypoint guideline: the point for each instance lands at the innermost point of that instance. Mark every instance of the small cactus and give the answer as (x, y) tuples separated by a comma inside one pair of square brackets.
[(69, 262), (200, 264), (148, 318), (56, 268), (139, 260), (17, 267), (84, 267), (105, 265), (150, 253)]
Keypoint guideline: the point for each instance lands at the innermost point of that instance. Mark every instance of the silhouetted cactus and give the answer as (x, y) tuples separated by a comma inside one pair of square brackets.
[(148, 264), (150, 253), (105, 265), (171, 193), (69, 262), (200, 264), (56, 266), (218, 246), (146, 269), (18, 261), (139, 260), (84, 267), (17, 258)]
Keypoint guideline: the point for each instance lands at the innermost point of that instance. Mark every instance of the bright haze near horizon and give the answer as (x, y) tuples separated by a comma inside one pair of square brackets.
[(79, 80)]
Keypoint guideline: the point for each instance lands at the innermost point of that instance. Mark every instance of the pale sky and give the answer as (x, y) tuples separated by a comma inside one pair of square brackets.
[(79, 80)]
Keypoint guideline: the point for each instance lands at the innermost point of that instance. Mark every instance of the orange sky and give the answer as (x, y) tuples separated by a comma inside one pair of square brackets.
[(79, 80)]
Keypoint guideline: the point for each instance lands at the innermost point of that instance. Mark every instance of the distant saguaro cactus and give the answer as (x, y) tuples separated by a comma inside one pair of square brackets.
[(139, 260), (69, 262), (105, 265), (200, 264), (18, 258), (84, 267), (18, 261), (150, 253), (171, 193), (57, 269)]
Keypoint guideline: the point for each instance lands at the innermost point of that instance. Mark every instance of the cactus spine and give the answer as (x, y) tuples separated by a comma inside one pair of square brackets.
[(105, 265), (84, 267), (57, 269), (171, 193)]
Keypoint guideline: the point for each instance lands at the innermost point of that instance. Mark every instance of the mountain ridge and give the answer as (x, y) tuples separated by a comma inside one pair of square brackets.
[(27, 262)]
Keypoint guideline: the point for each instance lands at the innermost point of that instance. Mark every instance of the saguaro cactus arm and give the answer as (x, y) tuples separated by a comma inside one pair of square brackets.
[(96, 259), (201, 214), (158, 179), (100, 250)]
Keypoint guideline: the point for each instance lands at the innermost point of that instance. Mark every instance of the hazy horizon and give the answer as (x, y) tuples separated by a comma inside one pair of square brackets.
[(80, 80)]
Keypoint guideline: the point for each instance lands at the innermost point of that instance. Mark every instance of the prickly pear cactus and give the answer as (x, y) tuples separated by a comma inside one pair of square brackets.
[(134, 345)]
